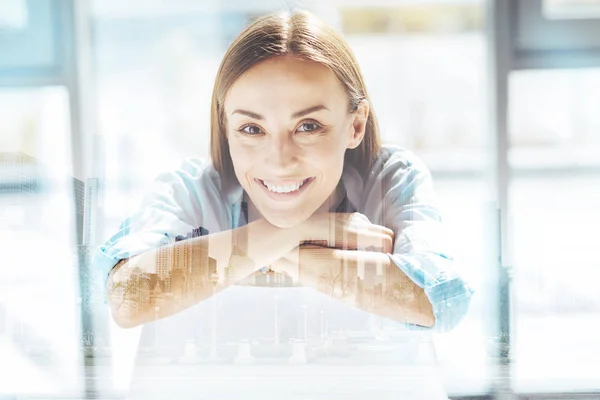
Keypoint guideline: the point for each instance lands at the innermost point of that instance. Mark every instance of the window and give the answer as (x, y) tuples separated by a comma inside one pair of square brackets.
[(571, 9), (40, 331), (424, 67), (554, 202)]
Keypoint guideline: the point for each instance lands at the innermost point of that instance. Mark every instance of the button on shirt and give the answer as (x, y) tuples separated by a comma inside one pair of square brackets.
[(397, 193)]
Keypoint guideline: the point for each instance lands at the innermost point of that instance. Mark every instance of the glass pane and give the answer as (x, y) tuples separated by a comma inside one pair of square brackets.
[(39, 288), (557, 302), (463, 353), (571, 9), (437, 109), (554, 119), (13, 15), (434, 107), (28, 38), (554, 204), (155, 68)]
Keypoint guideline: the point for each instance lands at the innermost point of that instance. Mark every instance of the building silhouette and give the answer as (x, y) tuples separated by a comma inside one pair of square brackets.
[(23, 180), (19, 174), (235, 271), (164, 257)]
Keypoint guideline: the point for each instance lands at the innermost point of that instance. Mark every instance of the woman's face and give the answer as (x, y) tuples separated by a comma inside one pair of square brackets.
[(288, 127)]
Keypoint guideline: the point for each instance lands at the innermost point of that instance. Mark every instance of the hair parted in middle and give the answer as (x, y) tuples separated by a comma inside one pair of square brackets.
[(299, 34)]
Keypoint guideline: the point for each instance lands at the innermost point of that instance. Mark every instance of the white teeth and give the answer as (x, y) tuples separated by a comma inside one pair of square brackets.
[(284, 188)]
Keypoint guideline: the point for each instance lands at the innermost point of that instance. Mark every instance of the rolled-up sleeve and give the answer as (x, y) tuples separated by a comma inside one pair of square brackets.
[(125, 244), (418, 251), (170, 208)]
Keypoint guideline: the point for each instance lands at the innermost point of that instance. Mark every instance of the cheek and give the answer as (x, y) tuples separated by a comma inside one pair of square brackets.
[(330, 153), (239, 158)]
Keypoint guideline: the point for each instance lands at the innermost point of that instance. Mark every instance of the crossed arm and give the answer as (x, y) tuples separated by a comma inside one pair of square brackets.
[(169, 279), (368, 280)]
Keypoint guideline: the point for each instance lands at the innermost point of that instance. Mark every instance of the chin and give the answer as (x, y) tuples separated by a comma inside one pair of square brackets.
[(285, 222)]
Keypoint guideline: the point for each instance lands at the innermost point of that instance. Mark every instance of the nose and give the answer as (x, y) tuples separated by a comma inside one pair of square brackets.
[(283, 152)]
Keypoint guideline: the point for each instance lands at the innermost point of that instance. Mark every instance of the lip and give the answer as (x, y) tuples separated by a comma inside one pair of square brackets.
[(284, 196), (282, 182)]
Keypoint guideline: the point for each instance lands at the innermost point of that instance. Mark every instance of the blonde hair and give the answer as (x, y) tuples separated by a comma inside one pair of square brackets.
[(302, 35)]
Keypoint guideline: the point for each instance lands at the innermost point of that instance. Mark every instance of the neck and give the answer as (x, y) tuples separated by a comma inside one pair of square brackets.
[(334, 200)]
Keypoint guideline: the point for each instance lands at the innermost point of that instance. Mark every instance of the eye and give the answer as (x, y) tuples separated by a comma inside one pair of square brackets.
[(250, 130), (309, 127)]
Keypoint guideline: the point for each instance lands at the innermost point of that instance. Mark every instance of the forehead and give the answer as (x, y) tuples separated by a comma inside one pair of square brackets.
[(282, 81)]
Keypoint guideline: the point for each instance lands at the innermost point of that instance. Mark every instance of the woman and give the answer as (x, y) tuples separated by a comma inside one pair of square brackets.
[(300, 192)]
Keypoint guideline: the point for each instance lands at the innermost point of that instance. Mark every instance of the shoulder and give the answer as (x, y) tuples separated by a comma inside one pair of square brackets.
[(190, 194), (395, 162), (195, 179), (396, 156), (396, 172), (191, 174), (192, 169)]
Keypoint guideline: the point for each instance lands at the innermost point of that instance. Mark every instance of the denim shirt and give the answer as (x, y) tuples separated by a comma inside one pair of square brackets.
[(397, 193)]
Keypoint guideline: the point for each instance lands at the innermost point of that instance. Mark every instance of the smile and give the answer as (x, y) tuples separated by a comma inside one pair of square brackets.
[(285, 187)]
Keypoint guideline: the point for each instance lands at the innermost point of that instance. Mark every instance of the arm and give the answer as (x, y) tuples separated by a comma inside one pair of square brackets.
[(423, 287), (368, 280), (410, 210), (329, 260), (166, 280)]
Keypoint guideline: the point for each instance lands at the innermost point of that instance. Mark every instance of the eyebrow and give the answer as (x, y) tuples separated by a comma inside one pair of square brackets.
[(297, 114)]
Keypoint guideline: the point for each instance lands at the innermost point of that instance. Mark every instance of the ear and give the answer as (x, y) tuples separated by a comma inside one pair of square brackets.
[(359, 124)]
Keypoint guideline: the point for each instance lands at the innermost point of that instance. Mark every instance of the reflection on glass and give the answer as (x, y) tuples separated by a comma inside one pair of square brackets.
[(554, 119), (557, 304), (463, 353), (39, 318), (571, 9), (13, 15), (431, 101), (155, 72), (554, 204)]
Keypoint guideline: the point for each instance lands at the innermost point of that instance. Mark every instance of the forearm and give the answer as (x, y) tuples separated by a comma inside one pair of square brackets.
[(137, 297), (371, 282), (166, 280)]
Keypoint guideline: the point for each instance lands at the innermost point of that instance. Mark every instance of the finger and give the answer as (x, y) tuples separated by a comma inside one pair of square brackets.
[(374, 241), (384, 242), (357, 224), (366, 238), (347, 228), (382, 229), (347, 237), (381, 238)]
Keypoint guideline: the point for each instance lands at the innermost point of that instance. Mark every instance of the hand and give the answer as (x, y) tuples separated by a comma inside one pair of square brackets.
[(344, 275), (321, 267), (347, 231), (309, 262)]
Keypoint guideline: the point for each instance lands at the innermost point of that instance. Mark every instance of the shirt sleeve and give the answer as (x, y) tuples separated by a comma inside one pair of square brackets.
[(409, 208), (170, 208)]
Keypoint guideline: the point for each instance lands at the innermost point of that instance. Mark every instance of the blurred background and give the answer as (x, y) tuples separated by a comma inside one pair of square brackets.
[(500, 98)]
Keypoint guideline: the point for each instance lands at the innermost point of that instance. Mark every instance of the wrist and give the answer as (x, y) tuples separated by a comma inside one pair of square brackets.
[(267, 242), (318, 230), (305, 231)]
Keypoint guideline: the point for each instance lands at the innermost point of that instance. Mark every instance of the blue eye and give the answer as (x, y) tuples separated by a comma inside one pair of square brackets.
[(309, 127), (250, 130)]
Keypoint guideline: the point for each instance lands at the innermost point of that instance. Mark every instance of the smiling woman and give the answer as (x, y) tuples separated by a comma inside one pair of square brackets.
[(289, 150), (298, 186)]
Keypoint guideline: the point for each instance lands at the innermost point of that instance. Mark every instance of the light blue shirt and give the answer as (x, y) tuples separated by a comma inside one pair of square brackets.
[(396, 193)]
